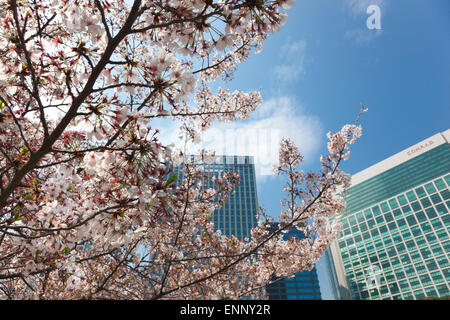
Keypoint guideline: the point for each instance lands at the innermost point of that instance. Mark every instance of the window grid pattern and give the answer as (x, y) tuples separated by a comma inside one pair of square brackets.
[(303, 286), (238, 214), (404, 176), (407, 238)]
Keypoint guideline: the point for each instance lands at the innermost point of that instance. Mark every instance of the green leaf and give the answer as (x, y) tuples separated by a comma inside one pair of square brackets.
[(17, 215), (171, 179), (24, 151), (29, 196)]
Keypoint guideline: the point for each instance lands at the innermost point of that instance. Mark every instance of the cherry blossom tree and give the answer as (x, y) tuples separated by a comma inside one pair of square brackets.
[(89, 207)]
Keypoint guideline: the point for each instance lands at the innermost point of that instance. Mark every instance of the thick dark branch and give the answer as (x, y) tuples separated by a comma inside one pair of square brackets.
[(72, 112)]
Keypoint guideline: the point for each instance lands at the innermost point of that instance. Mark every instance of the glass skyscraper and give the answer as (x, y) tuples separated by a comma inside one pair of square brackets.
[(238, 214), (395, 241), (303, 286)]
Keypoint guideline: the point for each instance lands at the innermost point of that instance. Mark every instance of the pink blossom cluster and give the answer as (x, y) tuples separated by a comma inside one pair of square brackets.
[(89, 205)]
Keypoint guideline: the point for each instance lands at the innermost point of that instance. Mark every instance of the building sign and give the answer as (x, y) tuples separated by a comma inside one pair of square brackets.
[(419, 147)]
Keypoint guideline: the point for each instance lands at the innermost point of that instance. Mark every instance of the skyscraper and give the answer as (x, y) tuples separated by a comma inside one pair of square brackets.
[(238, 214), (395, 241), (303, 286)]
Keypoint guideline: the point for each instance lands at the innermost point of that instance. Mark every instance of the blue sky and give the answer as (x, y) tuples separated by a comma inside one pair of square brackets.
[(314, 73)]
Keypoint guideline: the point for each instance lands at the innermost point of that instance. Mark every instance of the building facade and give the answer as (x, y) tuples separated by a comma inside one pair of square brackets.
[(238, 214), (395, 241), (303, 286)]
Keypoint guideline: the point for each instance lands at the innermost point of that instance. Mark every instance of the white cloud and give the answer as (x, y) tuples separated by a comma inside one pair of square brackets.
[(292, 58), (259, 136), (363, 35), (359, 7)]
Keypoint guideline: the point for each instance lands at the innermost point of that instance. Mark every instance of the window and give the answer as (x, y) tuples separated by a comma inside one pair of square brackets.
[(402, 200), (407, 210), (379, 220), (363, 226), (411, 220), (378, 244), (401, 223), (388, 216), (419, 294), (426, 253), (437, 250), (368, 214), (384, 231), (441, 209), (435, 198), (387, 241), (400, 248), (414, 283), (430, 292), (437, 277), (415, 256), (389, 275), (431, 238), (400, 274), (426, 227), (446, 246), (406, 234), (408, 296), (397, 213), (420, 267), (443, 290), (382, 254), (430, 188), (392, 226), (384, 207), (440, 184), (360, 217), (395, 262), (376, 210), (445, 194), (393, 203), (375, 234), (420, 216), (397, 238), (437, 223), (425, 202), (411, 245), (405, 259), (431, 213), (446, 220), (404, 285), (416, 206), (391, 252), (442, 262), (411, 196), (393, 287), (431, 265), (420, 192)]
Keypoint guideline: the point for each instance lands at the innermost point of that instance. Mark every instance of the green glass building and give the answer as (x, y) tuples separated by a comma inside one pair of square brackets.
[(395, 241)]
